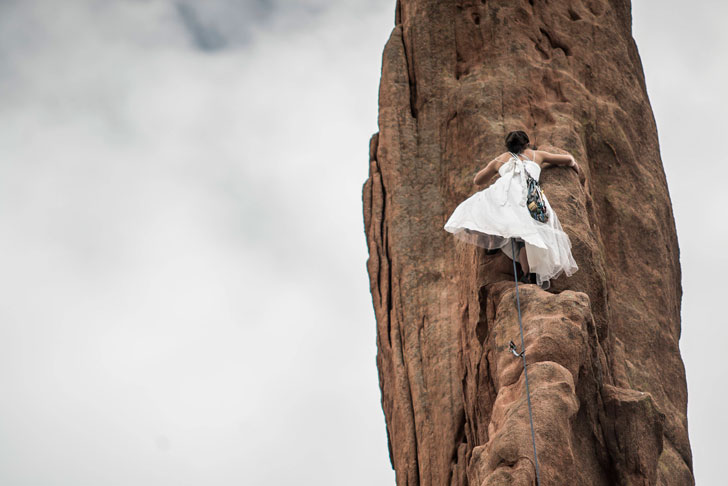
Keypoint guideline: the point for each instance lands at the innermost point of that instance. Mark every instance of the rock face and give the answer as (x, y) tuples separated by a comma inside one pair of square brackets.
[(606, 377)]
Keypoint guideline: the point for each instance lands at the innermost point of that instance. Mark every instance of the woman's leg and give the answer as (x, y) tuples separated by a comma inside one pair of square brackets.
[(522, 258)]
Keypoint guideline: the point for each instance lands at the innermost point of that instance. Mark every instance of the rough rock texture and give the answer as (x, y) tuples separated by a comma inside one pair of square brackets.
[(607, 381)]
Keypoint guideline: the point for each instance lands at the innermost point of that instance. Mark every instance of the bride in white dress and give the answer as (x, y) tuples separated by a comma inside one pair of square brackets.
[(494, 216)]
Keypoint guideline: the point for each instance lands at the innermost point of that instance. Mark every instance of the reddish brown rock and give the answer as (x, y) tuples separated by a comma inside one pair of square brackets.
[(606, 378)]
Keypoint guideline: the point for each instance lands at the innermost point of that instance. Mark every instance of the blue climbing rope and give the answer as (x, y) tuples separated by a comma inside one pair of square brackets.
[(522, 354)]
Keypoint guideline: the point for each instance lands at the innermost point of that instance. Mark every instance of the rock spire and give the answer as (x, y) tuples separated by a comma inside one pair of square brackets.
[(606, 377)]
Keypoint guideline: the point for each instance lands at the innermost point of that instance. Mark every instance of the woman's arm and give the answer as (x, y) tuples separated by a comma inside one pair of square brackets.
[(485, 174), (556, 159), (559, 159)]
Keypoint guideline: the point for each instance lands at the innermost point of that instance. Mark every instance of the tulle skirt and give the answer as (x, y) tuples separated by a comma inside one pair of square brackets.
[(484, 221)]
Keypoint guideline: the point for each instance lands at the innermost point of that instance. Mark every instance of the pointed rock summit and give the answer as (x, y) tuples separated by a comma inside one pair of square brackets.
[(606, 379)]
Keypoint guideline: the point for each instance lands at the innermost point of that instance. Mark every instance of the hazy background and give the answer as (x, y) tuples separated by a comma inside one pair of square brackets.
[(183, 260)]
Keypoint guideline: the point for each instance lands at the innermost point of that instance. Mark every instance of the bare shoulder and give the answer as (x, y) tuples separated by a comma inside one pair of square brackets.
[(536, 156), (500, 160)]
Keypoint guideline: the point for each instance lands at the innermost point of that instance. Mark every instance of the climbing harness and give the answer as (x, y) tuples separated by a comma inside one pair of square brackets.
[(522, 354)]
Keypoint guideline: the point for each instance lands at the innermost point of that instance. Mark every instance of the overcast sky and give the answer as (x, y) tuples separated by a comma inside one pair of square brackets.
[(185, 297)]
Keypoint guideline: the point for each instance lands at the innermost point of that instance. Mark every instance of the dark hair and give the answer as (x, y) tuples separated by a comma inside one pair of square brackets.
[(517, 141)]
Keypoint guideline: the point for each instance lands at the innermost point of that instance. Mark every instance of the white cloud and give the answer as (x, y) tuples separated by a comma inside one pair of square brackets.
[(186, 298)]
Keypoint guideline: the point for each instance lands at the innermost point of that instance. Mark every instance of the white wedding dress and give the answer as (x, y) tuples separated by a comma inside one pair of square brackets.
[(491, 217)]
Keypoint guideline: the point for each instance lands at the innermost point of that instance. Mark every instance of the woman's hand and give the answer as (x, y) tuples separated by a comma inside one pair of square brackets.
[(578, 170)]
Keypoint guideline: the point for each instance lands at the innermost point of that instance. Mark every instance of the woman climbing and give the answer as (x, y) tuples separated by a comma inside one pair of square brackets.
[(514, 208)]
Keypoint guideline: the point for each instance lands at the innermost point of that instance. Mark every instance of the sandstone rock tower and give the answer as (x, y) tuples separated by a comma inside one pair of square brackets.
[(606, 377)]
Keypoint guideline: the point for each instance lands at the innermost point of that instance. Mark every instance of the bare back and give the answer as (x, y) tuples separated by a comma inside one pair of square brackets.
[(530, 154)]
